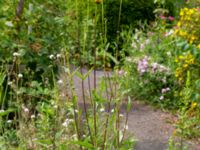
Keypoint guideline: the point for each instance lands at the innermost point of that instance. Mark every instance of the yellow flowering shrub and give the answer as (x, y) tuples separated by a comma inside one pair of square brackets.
[(184, 63), (188, 25)]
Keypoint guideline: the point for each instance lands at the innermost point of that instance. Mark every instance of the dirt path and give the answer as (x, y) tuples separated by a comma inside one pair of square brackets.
[(150, 127)]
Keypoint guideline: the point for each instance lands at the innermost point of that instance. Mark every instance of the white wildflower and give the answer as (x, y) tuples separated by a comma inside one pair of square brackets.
[(169, 53), (161, 97), (9, 24), (102, 110), (32, 116), (126, 127), (2, 110), (9, 121), (60, 82), (134, 45), (26, 109), (15, 54), (10, 83), (65, 124), (51, 56), (129, 59), (58, 55), (20, 75), (169, 33), (121, 115)]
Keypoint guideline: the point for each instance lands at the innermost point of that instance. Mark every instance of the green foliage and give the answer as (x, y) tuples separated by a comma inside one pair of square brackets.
[(36, 110), (131, 13), (33, 36), (150, 72)]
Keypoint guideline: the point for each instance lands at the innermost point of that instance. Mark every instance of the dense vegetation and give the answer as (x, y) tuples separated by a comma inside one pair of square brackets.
[(151, 47)]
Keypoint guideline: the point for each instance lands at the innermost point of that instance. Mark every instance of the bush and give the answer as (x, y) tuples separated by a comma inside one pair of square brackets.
[(32, 35), (188, 25), (131, 13), (188, 73)]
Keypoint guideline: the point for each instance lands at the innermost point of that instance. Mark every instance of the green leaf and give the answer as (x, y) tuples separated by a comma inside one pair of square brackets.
[(6, 112), (84, 76), (2, 78), (88, 73), (79, 75), (129, 104), (44, 143), (84, 144)]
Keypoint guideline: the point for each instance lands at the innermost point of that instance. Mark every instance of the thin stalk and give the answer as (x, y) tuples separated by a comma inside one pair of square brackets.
[(82, 81), (5, 94), (118, 28), (85, 108), (88, 52), (126, 123), (107, 118), (116, 75), (118, 124), (74, 101), (71, 79), (95, 59)]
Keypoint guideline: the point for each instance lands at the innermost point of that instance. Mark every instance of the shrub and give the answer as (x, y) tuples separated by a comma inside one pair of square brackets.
[(188, 25), (131, 13)]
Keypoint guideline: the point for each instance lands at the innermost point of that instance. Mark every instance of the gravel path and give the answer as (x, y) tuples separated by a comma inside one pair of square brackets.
[(150, 127)]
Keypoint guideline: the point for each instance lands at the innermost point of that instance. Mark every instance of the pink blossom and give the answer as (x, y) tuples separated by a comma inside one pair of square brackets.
[(143, 65), (171, 18), (154, 67), (162, 17), (121, 72)]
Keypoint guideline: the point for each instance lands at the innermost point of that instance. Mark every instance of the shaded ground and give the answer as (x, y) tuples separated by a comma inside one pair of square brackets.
[(149, 126)]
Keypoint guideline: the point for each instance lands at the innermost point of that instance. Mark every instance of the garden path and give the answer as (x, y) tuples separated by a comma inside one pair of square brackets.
[(151, 127)]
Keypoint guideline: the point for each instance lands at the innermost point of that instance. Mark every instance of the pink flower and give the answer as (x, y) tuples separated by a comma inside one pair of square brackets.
[(143, 65), (171, 18), (121, 72), (154, 67), (162, 17)]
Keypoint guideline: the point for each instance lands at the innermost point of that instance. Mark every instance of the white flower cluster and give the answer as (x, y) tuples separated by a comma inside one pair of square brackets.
[(57, 56), (67, 122)]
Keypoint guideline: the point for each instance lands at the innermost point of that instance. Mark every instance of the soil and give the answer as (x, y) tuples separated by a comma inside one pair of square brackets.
[(151, 127)]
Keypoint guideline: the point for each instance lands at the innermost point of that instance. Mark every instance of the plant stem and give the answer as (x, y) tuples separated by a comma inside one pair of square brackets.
[(95, 59)]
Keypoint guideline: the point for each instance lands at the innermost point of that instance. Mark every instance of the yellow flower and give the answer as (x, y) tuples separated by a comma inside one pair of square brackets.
[(179, 24), (198, 46), (185, 65), (174, 132), (176, 60), (176, 31), (181, 13), (193, 105), (180, 57)]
